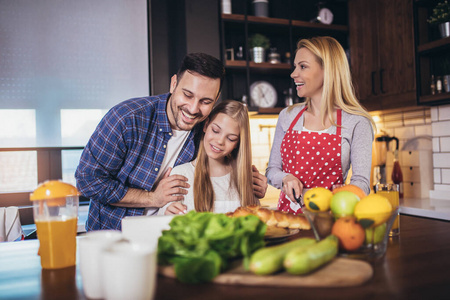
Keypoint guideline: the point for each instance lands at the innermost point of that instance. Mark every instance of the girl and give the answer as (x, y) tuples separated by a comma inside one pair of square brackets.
[(316, 142), (220, 177)]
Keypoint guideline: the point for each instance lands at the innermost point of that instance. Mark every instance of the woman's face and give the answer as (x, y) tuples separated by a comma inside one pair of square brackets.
[(307, 75), (221, 137)]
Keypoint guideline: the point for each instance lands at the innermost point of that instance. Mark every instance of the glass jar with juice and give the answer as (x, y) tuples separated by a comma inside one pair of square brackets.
[(55, 210), (391, 192)]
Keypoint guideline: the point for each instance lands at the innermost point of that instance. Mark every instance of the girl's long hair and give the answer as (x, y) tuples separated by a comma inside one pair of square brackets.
[(338, 90), (240, 160)]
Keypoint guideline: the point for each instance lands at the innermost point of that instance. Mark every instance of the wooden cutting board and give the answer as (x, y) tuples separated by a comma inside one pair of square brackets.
[(341, 272)]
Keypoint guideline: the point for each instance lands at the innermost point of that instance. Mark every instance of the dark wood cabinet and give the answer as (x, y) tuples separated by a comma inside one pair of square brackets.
[(381, 35), (432, 55), (288, 22)]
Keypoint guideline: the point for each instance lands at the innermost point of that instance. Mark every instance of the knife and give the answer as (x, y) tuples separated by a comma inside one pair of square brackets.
[(298, 199)]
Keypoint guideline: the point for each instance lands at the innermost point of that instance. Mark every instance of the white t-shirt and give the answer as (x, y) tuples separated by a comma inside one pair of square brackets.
[(227, 198), (174, 146)]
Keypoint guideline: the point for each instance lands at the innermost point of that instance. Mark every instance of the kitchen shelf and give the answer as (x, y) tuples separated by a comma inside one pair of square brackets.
[(434, 46), (270, 110), (431, 52), (288, 22), (278, 21), (264, 65), (436, 98)]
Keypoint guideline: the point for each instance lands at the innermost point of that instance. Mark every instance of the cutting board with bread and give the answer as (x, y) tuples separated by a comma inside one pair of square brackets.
[(340, 272)]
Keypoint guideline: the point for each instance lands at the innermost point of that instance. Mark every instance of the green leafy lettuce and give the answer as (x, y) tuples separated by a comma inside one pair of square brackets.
[(200, 245)]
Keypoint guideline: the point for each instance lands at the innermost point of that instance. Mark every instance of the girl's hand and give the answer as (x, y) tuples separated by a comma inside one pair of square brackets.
[(290, 184), (176, 208), (259, 183)]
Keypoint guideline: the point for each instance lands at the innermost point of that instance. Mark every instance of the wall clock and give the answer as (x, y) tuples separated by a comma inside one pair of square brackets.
[(263, 94)]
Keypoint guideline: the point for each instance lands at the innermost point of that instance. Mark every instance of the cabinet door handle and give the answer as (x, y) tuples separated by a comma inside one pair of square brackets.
[(373, 84), (381, 81)]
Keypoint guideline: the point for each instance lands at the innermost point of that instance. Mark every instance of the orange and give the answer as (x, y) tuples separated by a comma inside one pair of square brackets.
[(351, 188), (350, 233)]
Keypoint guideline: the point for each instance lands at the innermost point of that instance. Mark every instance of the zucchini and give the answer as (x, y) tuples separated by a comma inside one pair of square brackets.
[(269, 260), (305, 260)]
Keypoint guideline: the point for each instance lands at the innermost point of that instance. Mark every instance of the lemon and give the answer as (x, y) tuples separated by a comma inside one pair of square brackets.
[(373, 210), (318, 199)]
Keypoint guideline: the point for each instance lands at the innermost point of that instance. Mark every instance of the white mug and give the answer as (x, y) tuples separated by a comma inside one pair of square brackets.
[(129, 271), (91, 247)]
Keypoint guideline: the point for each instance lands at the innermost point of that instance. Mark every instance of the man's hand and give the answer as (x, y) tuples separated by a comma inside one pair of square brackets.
[(291, 184), (176, 208), (259, 183), (170, 188)]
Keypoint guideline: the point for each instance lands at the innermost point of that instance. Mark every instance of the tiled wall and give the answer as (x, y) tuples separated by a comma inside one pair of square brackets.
[(440, 123), (412, 128)]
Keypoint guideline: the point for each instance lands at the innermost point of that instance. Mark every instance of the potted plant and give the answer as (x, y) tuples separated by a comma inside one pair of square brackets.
[(258, 44), (441, 18)]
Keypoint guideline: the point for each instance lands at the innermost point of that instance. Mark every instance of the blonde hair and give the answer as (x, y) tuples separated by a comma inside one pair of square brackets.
[(240, 160), (338, 90)]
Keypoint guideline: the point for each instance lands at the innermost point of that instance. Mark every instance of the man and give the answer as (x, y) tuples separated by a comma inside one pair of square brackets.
[(125, 167)]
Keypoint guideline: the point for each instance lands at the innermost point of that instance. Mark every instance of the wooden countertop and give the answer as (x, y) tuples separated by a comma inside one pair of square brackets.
[(415, 267)]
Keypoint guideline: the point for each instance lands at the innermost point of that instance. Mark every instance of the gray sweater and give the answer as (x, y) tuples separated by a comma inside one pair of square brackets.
[(356, 149)]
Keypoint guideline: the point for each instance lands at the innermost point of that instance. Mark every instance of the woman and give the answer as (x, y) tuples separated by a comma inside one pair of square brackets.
[(316, 142), (220, 177)]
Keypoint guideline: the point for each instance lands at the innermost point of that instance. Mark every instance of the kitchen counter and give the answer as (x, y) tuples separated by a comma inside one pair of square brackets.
[(415, 267)]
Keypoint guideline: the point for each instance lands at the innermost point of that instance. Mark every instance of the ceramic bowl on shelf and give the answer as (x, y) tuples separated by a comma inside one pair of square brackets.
[(357, 238)]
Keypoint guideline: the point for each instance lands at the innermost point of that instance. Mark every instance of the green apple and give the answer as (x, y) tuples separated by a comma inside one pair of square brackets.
[(376, 234), (343, 203)]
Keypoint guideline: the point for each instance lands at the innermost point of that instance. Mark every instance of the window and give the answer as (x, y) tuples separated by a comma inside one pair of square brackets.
[(63, 65)]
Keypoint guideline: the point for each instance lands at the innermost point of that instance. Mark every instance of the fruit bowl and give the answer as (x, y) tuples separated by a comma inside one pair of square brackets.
[(361, 223), (357, 239)]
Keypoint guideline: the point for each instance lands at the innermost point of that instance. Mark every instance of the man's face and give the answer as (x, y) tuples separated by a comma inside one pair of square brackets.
[(192, 100)]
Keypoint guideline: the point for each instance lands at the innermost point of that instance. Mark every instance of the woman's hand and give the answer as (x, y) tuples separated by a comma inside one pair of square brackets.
[(292, 184), (176, 208)]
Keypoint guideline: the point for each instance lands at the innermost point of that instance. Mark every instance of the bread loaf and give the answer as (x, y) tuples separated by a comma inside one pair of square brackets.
[(273, 217)]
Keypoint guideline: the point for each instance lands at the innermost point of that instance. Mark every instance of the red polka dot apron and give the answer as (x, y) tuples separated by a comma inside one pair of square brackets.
[(312, 157)]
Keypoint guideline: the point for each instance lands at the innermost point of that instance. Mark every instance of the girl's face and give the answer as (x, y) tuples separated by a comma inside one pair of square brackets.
[(221, 136), (308, 74)]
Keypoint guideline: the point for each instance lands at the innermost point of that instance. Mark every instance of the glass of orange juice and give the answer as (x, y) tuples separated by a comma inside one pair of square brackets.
[(391, 192), (55, 210)]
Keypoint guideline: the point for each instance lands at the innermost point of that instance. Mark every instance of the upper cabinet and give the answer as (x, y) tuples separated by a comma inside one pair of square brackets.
[(382, 52), (432, 56), (286, 22)]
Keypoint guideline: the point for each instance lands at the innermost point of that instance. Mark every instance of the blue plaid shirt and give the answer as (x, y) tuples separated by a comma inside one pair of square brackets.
[(126, 150)]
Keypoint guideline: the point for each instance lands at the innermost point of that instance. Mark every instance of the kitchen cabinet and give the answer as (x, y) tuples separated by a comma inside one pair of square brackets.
[(288, 21), (432, 51), (381, 35)]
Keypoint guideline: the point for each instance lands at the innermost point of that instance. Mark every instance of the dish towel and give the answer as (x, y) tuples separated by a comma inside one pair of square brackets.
[(10, 227)]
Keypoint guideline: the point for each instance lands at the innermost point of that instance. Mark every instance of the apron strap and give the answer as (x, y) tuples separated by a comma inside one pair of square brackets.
[(339, 121), (296, 118)]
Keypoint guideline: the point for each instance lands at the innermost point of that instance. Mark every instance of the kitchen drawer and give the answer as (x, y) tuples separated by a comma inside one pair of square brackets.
[(415, 190), (411, 158)]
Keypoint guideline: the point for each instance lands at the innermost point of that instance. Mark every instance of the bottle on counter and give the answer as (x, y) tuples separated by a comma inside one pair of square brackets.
[(433, 85), (397, 176), (439, 84)]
